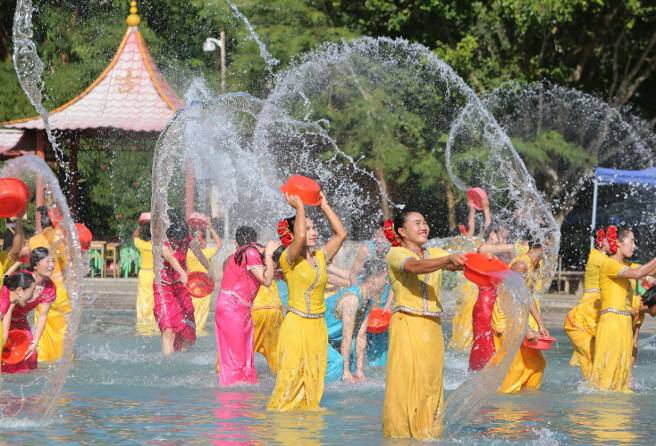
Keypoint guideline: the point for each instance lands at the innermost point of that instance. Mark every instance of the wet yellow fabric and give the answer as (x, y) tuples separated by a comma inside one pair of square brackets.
[(267, 317), (302, 362), (146, 323), (611, 365), (201, 305), (408, 288), (592, 269), (461, 324), (414, 391), (51, 342), (5, 264), (302, 348), (526, 369)]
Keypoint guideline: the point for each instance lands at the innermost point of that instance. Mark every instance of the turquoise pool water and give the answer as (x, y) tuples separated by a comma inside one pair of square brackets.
[(122, 391)]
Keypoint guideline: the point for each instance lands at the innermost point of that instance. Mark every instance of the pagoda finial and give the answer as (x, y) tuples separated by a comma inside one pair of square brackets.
[(133, 19)]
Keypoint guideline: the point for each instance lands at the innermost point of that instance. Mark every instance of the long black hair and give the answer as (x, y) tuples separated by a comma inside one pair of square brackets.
[(245, 236), (178, 229), (649, 298), (37, 255), (18, 280), (44, 217)]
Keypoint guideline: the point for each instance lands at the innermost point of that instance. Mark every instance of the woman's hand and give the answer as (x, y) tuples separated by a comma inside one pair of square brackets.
[(184, 277), (31, 349), (324, 202), (294, 201), (542, 329), (456, 262), (532, 335)]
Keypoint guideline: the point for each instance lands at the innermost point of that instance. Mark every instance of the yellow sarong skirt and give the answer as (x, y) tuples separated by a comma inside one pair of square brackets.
[(414, 392), (266, 331), (613, 350), (583, 343), (146, 324), (461, 324), (52, 340), (302, 362), (526, 369)]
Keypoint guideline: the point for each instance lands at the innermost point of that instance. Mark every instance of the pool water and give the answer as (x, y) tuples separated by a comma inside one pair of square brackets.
[(122, 391)]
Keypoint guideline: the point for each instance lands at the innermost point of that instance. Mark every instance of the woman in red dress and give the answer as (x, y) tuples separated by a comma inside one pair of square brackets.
[(15, 313), (482, 348)]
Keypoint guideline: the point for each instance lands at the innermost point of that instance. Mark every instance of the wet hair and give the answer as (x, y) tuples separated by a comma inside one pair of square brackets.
[(622, 232), (18, 280), (402, 217), (144, 232), (44, 217), (493, 227), (37, 255), (278, 253), (178, 229), (290, 223), (245, 235), (649, 298)]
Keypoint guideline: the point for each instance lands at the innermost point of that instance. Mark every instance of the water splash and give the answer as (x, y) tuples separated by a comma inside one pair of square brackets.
[(270, 61), (36, 397), (29, 70)]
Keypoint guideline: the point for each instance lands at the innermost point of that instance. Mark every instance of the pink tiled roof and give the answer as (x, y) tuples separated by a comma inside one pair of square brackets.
[(130, 95)]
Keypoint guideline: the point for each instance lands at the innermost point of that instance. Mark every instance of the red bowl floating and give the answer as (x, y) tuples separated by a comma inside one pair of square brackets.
[(541, 343), (305, 188), (197, 220), (16, 346), (199, 284), (14, 195), (379, 320), (85, 236), (484, 271), (476, 197)]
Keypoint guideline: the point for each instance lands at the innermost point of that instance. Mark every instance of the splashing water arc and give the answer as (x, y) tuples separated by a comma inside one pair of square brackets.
[(34, 396), (245, 146)]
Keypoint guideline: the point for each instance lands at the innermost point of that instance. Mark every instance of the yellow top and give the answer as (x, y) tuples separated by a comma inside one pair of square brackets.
[(414, 293), (133, 19), (193, 264), (52, 239), (306, 284), (5, 264), (616, 291), (267, 298), (592, 268), (145, 249)]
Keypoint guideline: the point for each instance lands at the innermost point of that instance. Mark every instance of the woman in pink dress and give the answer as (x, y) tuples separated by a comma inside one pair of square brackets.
[(172, 307), (15, 312), (244, 272), (482, 348)]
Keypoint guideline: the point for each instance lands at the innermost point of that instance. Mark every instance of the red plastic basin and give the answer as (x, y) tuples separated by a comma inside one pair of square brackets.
[(199, 284), (483, 270), (379, 320), (305, 188), (541, 343)]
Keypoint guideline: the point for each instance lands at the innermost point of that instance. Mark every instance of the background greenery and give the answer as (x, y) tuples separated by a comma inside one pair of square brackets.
[(606, 48)]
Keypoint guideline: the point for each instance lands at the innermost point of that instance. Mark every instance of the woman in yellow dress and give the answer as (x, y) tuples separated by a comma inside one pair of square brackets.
[(51, 342), (267, 315), (581, 321), (202, 304), (303, 343), (146, 323), (527, 367), (414, 390), (612, 361)]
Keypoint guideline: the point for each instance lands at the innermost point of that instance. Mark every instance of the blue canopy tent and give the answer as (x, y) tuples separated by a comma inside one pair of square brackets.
[(604, 176)]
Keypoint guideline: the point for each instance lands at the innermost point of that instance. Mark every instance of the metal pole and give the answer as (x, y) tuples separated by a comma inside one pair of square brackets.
[(222, 48), (594, 212)]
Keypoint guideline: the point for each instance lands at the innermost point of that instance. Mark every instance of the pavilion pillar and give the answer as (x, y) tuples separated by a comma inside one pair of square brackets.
[(72, 162), (189, 189), (40, 193)]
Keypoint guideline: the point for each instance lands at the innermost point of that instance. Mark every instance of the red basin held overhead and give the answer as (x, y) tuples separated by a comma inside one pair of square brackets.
[(305, 188), (199, 284), (484, 271), (14, 195), (197, 220), (476, 197)]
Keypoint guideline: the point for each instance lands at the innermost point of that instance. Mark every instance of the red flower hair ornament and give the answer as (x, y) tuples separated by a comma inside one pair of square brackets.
[(611, 235), (601, 236), (390, 233), (284, 234)]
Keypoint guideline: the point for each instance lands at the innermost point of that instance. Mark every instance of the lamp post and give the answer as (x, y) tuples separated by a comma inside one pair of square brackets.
[(210, 46)]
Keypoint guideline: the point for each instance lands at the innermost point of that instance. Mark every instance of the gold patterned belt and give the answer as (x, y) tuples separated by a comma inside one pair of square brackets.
[(268, 307), (305, 315), (615, 311), (410, 310), (592, 290)]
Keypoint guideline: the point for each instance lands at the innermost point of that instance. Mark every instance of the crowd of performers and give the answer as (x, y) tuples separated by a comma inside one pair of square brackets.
[(287, 301)]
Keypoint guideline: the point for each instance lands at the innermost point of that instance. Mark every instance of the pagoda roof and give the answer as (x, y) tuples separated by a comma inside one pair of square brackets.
[(130, 95)]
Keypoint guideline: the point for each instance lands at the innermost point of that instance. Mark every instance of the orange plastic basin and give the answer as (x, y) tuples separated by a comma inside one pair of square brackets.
[(476, 196), (16, 346), (305, 188), (483, 270), (379, 320), (199, 284), (14, 195), (541, 343)]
